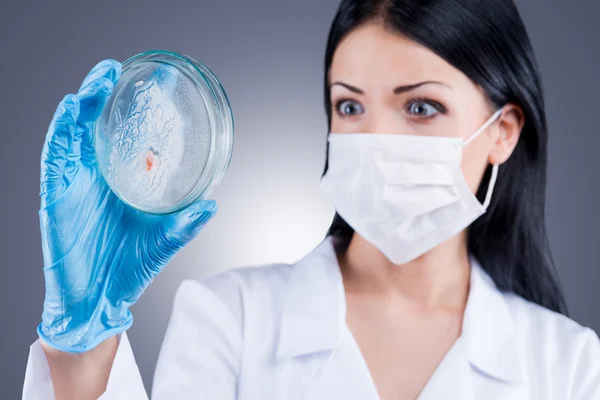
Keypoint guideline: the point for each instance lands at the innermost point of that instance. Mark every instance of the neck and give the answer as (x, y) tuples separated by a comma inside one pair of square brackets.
[(437, 279)]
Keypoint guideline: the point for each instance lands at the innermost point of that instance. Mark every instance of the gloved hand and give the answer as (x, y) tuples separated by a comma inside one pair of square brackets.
[(99, 253)]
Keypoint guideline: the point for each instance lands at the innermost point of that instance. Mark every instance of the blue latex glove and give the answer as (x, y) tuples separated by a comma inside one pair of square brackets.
[(99, 253)]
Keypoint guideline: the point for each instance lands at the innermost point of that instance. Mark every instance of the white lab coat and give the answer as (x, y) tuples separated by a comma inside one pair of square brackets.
[(279, 332)]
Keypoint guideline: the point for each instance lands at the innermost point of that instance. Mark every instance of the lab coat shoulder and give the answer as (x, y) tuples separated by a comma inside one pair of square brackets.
[(556, 349), (213, 324), (242, 289)]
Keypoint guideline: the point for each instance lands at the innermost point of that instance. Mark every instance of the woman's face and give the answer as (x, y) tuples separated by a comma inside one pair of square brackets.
[(382, 82)]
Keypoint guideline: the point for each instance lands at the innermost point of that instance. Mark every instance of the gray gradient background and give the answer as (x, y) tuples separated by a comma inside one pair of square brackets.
[(269, 56)]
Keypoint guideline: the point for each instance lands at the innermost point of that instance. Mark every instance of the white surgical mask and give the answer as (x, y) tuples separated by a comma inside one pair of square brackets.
[(404, 194)]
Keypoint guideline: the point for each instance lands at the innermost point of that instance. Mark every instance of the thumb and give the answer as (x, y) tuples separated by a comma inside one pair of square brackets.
[(175, 231), (185, 224)]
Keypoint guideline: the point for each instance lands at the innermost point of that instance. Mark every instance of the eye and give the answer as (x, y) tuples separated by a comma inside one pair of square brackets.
[(348, 108), (424, 108)]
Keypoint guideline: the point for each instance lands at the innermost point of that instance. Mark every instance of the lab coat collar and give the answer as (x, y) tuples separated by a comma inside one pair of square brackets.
[(489, 330), (314, 312)]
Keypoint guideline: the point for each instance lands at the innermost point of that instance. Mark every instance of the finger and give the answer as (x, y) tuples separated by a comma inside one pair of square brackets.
[(58, 144), (109, 68), (99, 77), (92, 100), (95, 91)]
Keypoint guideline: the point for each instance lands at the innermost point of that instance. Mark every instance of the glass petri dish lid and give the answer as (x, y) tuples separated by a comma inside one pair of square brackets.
[(165, 137)]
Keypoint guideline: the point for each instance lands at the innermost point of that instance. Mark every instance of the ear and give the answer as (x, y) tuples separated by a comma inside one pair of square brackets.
[(509, 125)]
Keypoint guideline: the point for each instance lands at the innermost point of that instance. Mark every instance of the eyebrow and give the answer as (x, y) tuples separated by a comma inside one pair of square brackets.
[(397, 90)]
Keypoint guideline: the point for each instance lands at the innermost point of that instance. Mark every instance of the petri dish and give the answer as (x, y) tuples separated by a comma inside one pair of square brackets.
[(165, 137)]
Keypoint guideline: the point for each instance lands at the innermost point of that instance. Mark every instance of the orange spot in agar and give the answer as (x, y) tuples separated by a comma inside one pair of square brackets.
[(149, 161)]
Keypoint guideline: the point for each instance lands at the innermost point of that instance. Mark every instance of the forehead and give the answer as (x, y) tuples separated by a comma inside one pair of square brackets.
[(371, 55)]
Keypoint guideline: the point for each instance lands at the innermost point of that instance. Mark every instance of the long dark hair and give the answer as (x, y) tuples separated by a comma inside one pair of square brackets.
[(486, 40)]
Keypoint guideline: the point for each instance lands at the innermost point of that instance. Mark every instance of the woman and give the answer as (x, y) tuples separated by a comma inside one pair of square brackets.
[(435, 281)]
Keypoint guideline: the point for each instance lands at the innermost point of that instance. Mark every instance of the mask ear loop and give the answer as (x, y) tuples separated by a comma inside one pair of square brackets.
[(493, 178), (495, 167), (489, 122)]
